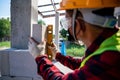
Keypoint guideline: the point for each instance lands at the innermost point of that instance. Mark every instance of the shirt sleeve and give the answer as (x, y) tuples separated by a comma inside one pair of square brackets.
[(98, 67), (50, 72), (72, 63)]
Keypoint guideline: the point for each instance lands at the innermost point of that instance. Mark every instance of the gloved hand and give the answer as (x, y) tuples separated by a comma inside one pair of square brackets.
[(54, 50), (36, 49)]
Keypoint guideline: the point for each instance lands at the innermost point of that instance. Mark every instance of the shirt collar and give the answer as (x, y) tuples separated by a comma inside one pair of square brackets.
[(104, 35)]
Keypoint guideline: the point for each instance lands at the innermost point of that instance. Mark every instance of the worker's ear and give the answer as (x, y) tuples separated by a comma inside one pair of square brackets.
[(79, 30), (81, 24)]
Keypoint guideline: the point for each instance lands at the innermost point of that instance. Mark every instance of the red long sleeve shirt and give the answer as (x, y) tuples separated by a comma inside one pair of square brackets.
[(105, 66)]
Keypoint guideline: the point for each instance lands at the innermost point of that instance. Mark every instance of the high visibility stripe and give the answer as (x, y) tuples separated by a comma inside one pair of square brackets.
[(112, 43)]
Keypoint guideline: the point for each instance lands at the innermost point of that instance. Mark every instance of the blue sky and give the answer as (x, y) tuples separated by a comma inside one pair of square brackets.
[(4, 8)]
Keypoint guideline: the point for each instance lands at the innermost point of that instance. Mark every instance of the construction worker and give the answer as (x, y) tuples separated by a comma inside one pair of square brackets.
[(93, 23)]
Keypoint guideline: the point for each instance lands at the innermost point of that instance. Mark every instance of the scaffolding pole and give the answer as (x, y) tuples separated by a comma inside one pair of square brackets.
[(57, 29)]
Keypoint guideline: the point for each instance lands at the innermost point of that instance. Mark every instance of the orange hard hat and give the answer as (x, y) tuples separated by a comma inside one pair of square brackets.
[(72, 4)]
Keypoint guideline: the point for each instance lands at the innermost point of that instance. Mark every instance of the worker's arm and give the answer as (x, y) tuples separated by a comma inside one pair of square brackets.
[(96, 68), (50, 72), (68, 61), (71, 62)]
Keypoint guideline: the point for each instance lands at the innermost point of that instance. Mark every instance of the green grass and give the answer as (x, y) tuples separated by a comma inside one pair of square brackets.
[(72, 49), (75, 50), (5, 44)]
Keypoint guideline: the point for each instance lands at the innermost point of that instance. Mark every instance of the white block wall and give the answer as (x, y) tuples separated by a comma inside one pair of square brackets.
[(15, 78), (18, 78), (18, 63)]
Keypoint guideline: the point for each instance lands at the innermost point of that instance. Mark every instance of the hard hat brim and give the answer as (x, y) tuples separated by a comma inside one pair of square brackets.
[(73, 4)]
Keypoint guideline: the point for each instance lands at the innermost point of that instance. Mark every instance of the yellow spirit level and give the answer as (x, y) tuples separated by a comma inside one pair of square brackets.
[(49, 41)]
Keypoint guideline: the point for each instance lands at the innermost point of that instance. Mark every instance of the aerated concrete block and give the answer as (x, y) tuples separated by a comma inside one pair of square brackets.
[(19, 78), (15, 78), (18, 63), (38, 32)]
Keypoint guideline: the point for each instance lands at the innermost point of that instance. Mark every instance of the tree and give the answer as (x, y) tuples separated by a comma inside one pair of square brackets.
[(64, 33), (4, 28), (41, 22)]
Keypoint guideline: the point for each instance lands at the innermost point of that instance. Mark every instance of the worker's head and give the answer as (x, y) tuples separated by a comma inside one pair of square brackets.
[(94, 12)]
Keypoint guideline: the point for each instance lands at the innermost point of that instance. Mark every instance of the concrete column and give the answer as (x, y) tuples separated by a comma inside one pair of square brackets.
[(24, 13)]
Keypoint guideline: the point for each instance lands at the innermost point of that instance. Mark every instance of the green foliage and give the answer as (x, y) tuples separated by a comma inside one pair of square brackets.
[(63, 33), (41, 22), (4, 27), (75, 50)]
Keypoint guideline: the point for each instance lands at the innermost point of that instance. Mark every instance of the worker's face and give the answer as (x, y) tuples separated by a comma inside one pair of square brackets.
[(78, 24), (66, 23)]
